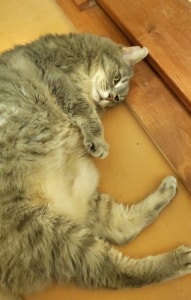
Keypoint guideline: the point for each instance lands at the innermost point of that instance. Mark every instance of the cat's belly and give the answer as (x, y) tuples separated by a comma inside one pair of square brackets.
[(68, 191), (71, 195)]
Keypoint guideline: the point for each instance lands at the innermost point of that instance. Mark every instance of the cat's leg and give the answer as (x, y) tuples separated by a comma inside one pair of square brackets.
[(95, 264), (120, 223), (87, 120), (92, 132), (82, 114), (50, 248)]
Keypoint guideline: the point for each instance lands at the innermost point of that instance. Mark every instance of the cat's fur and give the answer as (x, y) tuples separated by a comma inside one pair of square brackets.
[(53, 222)]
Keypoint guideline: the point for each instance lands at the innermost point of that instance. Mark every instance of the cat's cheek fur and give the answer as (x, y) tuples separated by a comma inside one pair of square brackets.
[(99, 90)]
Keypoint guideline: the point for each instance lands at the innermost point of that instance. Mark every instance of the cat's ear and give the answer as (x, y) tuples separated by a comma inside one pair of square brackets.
[(134, 54)]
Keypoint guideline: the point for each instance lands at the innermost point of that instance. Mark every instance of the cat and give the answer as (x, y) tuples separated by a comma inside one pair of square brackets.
[(54, 224)]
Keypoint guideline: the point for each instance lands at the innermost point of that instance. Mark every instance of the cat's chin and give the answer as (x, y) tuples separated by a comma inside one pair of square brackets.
[(104, 103), (101, 102), (98, 98)]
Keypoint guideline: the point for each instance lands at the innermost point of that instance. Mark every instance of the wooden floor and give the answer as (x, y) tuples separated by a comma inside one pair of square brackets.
[(158, 109), (93, 20)]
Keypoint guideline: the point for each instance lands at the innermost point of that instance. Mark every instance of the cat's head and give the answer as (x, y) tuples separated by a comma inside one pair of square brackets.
[(110, 83)]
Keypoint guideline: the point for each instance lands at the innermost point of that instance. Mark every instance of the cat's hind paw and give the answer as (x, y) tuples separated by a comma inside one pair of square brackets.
[(181, 259)]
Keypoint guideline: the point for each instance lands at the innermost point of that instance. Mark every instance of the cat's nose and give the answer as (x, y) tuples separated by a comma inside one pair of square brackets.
[(110, 97)]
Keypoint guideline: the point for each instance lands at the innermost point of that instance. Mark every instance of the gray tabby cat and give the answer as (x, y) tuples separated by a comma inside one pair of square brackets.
[(54, 225)]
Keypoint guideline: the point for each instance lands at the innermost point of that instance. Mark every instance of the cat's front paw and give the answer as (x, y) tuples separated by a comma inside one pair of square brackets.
[(97, 147)]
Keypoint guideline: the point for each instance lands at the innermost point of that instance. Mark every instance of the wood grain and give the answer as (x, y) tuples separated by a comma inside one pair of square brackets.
[(92, 20), (84, 4), (164, 27), (165, 119)]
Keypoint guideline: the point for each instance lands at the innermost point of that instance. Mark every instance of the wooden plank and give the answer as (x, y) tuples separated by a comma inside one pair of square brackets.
[(84, 4), (165, 119), (163, 26), (92, 20)]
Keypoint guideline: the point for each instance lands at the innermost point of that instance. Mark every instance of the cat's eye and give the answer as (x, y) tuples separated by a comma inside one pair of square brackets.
[(117, 78)]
